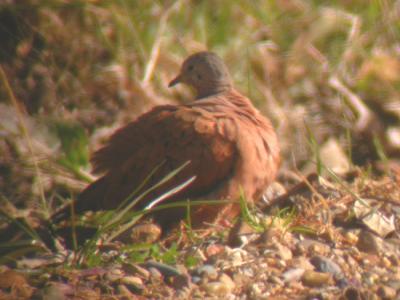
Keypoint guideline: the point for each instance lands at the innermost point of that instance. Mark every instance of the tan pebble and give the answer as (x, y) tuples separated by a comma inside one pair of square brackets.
[(222, 287), (316, 279), (281, 263), (274, 271), (236, 257), (214, 249), (276, 280), (125, 292), (260, 291), (216, 289), (284, 252), (394, 260), (114, 275), (229, 284), (369, 278), (270, 261), (386, 292), (386, 262), (357, 276), (156, 274), (351, 237), (133, 281), (145, 233), (318, 249), (366, 262), (87, 293), (274, 263), (300, 250), (354, 251), (314, 247), (256, 289)]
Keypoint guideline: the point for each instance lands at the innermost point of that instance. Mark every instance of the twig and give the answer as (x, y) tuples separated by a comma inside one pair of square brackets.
[(356, 104)]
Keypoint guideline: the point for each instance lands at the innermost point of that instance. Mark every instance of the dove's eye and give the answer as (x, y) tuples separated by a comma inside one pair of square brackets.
[(190, 68)]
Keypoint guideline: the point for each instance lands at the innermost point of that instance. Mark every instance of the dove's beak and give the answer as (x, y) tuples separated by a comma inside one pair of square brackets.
[(175, 81)]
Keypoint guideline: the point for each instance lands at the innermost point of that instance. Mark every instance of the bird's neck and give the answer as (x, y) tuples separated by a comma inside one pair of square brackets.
[(214, 90)]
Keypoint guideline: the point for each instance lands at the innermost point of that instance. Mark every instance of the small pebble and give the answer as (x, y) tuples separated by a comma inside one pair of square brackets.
[(316, 279), (179, 282), (275, 279), (207, 271), (386, 262), (133, 282), (114, 275), (142, 233), (351, 237), (216, 288), (124, 292), (368, 242), (154, 273), (133, 269), (222, 287), (394, 284), (386, 292), (281, 264), (57, 290), (326, 265), (315, 247), (369, 278), (196, 279), (285, 253), (227, 280), (394, 260), (293, 274)]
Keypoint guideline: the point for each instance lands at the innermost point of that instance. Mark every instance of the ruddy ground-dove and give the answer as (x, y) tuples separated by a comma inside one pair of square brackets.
[(230, 146)]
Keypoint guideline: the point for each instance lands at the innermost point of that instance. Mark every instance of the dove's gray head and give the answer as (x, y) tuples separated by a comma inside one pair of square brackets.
[(206, 73)]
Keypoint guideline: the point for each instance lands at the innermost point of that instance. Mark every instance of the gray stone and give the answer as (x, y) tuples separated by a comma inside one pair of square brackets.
[(370, 243), (326, 265)]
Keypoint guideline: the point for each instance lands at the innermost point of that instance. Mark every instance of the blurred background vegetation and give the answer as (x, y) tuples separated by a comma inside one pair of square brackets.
[(327, 74)]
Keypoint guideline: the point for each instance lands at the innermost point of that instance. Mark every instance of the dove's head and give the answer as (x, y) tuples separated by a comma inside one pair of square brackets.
[(206, 73)]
